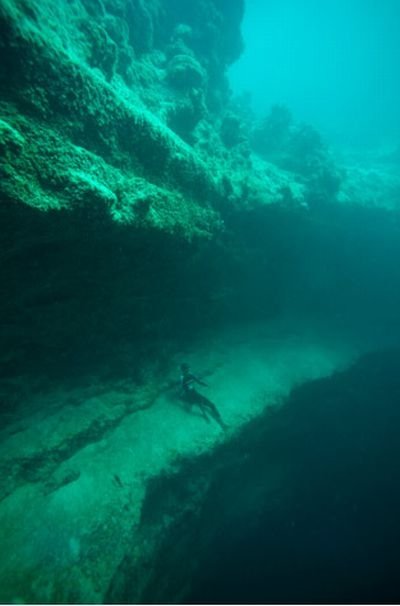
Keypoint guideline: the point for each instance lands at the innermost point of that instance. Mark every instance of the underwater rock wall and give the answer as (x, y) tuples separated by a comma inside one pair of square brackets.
[(141, 205), (96, 178), (140, 208), (70, 138), (127, 172)]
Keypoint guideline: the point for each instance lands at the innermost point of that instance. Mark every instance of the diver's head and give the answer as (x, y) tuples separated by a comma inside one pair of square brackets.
[(185, 368)]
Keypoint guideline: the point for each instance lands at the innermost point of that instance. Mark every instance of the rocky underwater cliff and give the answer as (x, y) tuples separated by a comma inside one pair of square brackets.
[(148, 219)]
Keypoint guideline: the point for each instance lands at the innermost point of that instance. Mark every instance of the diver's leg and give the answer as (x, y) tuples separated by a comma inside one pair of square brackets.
[(214, 412), (203, 411), (197, 398)]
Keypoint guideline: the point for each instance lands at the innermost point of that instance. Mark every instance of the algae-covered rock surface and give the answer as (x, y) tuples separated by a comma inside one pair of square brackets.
[(149, 220)]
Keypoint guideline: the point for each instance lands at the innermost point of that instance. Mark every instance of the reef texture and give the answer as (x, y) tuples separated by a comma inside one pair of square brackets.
[(144, 209)]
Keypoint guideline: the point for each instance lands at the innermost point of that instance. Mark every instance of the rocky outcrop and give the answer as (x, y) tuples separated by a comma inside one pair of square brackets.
[(94, 178)]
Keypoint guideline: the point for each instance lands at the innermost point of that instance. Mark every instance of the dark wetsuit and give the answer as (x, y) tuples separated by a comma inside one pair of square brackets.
[(192, 396)]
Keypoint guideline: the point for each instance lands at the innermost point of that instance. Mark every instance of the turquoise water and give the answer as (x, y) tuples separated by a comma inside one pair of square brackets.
[(212, 184), (334, 64)]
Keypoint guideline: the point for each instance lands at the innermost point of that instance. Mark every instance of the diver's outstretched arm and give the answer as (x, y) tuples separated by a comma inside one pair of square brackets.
[(198, 381)]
